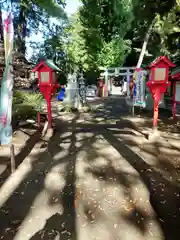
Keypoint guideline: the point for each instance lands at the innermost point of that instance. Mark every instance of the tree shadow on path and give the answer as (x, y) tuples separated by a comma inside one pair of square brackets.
[(19, 204), (19, 158), (63, 226), (164, 197)]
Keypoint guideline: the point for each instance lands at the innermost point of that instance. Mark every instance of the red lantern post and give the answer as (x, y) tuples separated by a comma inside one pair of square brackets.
[(158, 82), (131, 85), (47, 83), (101, 85)]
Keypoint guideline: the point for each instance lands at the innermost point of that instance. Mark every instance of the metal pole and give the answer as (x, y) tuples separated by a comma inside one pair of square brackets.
[(106, 84), (12, 156), (49, 112)]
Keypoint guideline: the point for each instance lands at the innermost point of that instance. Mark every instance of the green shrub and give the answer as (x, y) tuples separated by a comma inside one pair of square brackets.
[(23, 112), (17, 97), (26, 105)]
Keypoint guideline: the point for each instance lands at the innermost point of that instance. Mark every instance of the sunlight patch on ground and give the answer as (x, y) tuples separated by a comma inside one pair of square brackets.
[(134, 138), (13, 182), (88, 134), (66, 135), (100, 162), (135, 119), (81, 164), (175, 143), (100, 119), (54, 180), (39, 212), (108, 207), (168, 152), (61, 154), (100, 143), (45, 204)]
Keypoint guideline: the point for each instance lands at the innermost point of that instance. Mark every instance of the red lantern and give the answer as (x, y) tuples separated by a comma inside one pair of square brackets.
[(47, 83), (131, 86), (101, 83), (175, 80), (158, 81)]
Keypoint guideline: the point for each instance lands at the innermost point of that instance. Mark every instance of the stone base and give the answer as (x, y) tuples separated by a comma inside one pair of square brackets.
[(84, 109), (153, 136), (44, 131), (49, 134)]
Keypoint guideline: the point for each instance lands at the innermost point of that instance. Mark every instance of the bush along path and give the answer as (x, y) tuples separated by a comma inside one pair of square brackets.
[(25, 131), (25, 106), (96, 178)]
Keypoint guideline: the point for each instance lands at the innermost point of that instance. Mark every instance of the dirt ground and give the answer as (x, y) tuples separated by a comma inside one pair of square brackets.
[(97, 178)]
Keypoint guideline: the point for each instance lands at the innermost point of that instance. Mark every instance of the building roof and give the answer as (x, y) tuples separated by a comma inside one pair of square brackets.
[(47, 62), (175, 73), (175, 70), (162, 58), (51, 64)]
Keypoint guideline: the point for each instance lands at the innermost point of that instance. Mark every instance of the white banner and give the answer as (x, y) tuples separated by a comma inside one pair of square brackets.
[(7, 84), (139, 89)]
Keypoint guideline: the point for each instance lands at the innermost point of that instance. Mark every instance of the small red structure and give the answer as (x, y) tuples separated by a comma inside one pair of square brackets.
[(47, 83), (101, 86), (131, 86), (101, 82), (175, 84), (158, 82)]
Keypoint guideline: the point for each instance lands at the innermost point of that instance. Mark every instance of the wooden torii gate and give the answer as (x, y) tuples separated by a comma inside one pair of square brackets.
[(108, 73)]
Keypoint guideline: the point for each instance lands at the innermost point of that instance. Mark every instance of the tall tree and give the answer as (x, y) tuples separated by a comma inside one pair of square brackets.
[(145, 12), (53, 46), (78, 56), (105, 24), (31, 16), (168, 28)]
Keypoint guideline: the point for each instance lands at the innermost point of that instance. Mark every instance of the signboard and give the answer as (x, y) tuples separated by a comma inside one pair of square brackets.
[(159, 74), (139, 88), (177, 93), (44, 77), (82, 90)]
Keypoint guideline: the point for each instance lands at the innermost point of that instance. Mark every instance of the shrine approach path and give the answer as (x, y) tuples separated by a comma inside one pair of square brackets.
[(89, 182)]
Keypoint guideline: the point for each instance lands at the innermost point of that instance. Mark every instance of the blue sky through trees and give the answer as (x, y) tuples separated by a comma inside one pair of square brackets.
[(71, 7)]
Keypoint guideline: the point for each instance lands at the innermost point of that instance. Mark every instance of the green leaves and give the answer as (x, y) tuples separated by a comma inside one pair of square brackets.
[(26, 104), (34, 16), (53, 8), (104, 23), (76, 47), (165, 30), (109, 18), (113, 53)]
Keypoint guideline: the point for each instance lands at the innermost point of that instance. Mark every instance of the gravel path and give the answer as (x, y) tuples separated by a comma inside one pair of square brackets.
[(89, 182)]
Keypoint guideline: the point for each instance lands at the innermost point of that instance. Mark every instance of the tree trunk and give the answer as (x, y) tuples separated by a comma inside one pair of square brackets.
[(21, 31), (2, 54), (1, 27), (143, 50)]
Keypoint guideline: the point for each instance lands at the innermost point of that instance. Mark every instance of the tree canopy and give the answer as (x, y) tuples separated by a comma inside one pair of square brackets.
[(165, 16), (33, 16), (102, 33)]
